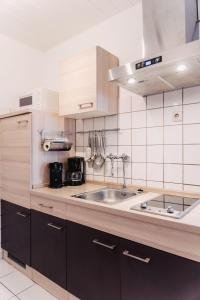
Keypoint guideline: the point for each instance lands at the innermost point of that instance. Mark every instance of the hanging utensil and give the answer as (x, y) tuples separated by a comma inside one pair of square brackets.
[(99, 161), (90, 160)]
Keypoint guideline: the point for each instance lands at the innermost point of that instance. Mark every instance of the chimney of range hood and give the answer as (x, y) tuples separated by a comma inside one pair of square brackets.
[(168, 24), (172, 49)]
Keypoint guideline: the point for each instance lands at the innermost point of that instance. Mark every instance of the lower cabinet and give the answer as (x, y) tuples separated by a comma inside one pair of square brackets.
[(147, 273), (93, 270), (48, 246), (15, 231), (94, 265)]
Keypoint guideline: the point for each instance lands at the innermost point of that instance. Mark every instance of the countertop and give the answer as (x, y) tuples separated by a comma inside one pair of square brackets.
[(189, 222)]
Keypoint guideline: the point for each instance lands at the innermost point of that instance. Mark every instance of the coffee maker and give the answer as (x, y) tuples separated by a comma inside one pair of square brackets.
[(55, 175), (75, 174)]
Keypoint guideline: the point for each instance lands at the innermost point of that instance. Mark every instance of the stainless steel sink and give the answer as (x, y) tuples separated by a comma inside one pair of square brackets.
[(107, 195)]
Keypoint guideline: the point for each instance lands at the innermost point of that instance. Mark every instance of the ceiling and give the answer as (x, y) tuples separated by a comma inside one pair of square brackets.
[(43, 24)]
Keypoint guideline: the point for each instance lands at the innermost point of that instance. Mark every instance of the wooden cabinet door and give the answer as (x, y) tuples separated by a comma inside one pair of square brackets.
[(92, 264), (147, 273), (16, 159), (15, 230), (78, 84), (48, 246)]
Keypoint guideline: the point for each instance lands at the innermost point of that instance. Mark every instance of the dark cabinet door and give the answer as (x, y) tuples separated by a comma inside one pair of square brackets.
[(15, 230), (93, 271), (48, 246), (147, 273)]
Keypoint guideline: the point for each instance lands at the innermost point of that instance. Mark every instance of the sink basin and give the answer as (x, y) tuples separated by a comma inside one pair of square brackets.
[(107, 195)]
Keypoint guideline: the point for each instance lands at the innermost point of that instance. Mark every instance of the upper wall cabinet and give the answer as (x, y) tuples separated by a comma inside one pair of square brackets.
[(84, 88)]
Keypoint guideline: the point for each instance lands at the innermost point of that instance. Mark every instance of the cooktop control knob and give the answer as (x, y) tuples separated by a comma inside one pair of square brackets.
[(170, 210), (143, 205)]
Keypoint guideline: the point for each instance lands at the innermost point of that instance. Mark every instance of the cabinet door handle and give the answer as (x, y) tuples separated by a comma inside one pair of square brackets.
[(45, 206), (21, 214), (22, 121), (97, 242), (85, 105), (57, 227), (144, 260)]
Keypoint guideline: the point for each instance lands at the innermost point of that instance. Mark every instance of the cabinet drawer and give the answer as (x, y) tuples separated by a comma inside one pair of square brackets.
[(15, 229), (51, 207), (48, 246)]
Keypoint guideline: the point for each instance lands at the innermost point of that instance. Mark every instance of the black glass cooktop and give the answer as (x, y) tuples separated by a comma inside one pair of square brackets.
[(178, 203), (168, 205)]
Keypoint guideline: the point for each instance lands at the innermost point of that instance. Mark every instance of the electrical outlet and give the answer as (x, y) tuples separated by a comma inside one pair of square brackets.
[(177, 116)]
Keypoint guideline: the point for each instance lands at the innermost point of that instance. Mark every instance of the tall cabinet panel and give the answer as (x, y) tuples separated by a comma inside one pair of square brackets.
[(16, 159)]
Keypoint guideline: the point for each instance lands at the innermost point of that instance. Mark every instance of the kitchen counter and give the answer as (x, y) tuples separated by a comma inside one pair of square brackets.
[(178, 236)]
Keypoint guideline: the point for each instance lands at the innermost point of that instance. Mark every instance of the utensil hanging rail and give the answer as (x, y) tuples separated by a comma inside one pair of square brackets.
[(98, 130)]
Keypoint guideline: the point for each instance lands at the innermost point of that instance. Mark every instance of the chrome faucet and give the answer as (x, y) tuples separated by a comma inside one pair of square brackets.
[(124, 158)]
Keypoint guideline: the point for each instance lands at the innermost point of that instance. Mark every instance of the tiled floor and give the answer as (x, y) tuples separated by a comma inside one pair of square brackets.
[(16, 286)]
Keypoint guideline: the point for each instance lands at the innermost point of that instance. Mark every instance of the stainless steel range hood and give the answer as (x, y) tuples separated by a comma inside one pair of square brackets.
[(172, 47)]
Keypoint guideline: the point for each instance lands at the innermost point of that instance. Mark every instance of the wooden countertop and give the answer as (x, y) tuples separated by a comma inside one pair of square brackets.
[(177, 236), (190, 222)]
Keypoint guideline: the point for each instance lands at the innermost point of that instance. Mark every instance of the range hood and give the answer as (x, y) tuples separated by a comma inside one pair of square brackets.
[(172, 49)]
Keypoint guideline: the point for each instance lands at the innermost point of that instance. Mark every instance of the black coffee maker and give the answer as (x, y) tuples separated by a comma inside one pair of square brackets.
[(55, 175), (75, 174)]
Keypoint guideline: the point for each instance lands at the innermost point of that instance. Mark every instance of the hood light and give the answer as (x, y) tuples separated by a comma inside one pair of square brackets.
[(131, 81), (181, 68)]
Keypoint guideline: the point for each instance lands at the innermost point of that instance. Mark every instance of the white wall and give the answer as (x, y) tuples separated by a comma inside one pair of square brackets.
[(21, 69), (121, 35)]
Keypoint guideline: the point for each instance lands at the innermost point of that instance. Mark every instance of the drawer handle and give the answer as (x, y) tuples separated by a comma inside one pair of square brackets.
[(144, 260), (21, 214), (85, 105), (45, 206), (22, 121), (97, 242), (55, 226)]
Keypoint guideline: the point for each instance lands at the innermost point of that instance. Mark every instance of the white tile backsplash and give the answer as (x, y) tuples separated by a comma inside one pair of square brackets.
[(173, 98), (173, 134), (99, 123), (169, 113), (162, 152), (155, 154), (124, 121), (192, 154), (173, 173), (191, 113), (139, 119), (191, 134), (125, 101), (173, 154), (138, 103), (191, 174), (139, 136), (173, 186), (124, 137), (155, 172), (155, 135), (191, 95), (155, 117), (111, 138), (139, 154), (111, 122), (139, 171), (155, 101), (88, 124)]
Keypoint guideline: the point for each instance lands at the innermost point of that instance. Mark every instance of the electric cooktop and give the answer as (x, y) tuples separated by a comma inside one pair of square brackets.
[(167, 205)]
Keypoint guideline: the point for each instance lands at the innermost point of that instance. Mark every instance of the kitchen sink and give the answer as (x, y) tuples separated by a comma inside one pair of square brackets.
[(107, 195)]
